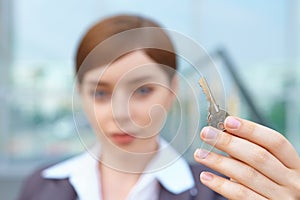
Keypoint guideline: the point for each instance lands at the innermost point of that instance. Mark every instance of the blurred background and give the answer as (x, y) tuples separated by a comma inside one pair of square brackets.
[(255, 44)]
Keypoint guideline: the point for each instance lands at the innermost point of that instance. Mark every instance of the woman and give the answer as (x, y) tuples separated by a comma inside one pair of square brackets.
[(126, 74)]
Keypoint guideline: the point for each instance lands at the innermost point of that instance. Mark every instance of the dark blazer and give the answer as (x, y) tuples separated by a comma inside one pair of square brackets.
[(37, 188)]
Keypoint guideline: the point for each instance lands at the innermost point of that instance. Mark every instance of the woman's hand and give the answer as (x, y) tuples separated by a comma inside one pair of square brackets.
[(262, 164)]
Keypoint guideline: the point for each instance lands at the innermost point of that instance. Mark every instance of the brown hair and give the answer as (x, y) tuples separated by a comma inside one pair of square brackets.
[(112, 26)]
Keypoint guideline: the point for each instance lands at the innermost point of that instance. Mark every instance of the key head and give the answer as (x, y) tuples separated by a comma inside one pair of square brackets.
[(217, 119)]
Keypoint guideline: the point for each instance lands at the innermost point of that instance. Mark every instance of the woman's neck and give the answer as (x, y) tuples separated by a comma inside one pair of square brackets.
[(120, 170), (116, 185), (127, 161)]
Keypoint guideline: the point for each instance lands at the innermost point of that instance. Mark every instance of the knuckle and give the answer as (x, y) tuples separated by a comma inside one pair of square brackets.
[(225, 139), (250, 128), (294, 181), (241, 193), (250, 173), (279, 142), (246, 194), (260, 156), (217, 159), (297, 186), (219, 185)]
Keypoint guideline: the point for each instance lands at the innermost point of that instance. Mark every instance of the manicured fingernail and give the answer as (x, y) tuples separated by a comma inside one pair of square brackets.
[(201, 153), (209, 133), (232, 123), (206, 176)]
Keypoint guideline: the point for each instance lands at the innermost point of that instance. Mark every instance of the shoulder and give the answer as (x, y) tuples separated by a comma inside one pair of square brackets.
[(36, 187)]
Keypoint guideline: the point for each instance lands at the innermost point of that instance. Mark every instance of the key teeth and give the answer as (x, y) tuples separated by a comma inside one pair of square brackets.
[(203, 85)]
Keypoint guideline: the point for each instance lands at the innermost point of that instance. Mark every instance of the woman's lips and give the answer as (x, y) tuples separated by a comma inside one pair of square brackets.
[(122, 138)]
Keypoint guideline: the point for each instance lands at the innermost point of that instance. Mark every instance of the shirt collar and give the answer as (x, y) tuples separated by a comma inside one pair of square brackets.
[(79, 170), (172, 171)]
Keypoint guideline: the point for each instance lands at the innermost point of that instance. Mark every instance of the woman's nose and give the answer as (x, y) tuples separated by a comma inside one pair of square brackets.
[(120, 107)]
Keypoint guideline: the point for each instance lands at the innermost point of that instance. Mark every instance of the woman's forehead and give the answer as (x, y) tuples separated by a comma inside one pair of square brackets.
[(134, 67)]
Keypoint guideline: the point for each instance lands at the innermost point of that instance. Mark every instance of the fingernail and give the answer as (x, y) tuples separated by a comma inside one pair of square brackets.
[(209, 133), (232, 122), (206, 176), (201, 153)]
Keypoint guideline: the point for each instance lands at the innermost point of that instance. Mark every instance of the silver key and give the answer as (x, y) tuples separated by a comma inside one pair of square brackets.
[(216, 115)]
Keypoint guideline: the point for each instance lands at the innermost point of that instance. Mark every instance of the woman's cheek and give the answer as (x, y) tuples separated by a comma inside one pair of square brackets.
[(94, 115), (150, 118)]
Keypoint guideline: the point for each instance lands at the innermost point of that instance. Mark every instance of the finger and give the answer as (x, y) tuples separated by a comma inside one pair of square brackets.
[(269, 139), (228, 189), (239, 172), (249, 153)]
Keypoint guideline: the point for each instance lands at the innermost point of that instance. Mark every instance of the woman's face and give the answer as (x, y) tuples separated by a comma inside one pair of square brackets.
[(127, 102)]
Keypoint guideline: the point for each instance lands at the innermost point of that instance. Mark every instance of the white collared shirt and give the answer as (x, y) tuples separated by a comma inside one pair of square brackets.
[(166, 168)]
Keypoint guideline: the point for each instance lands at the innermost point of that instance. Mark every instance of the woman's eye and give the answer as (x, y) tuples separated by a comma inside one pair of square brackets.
[(100, 94), (143, 90)]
